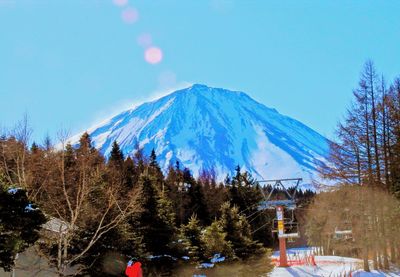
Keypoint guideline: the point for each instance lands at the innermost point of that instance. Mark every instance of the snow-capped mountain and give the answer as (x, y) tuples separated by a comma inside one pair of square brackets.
[(204, 127)]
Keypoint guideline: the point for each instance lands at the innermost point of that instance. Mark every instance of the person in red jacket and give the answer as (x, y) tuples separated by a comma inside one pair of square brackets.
[(134, 269)]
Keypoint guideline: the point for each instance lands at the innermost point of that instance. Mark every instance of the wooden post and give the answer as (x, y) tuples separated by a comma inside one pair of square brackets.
[(282, 241)]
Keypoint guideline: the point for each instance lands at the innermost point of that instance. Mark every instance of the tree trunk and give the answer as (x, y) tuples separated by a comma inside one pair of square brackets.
[(393, 256), (365, 259), (374, 259)]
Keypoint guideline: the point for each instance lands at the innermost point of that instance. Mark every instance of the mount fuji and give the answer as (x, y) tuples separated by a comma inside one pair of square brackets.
[(213, 128)]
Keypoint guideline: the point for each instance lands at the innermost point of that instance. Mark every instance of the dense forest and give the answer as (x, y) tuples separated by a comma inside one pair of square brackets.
[(123, 207)]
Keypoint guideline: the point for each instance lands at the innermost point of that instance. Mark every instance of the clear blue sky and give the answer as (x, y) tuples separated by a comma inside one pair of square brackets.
[(71, 63)]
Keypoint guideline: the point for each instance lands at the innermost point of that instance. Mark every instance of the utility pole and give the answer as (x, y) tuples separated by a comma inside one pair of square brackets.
[(282, 240)]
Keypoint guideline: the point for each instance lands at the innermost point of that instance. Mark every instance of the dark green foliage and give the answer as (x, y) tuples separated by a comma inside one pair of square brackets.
[(153, 225), (20, 222), (177, 191), (244, 191), (153, 159), (238, 231), (116, 156), (214, 241), (188, 195), (197, 203), (34, 147), (164, 204), (214, 194), (190, 235), (154, 168), (140, 159), (131, 175)]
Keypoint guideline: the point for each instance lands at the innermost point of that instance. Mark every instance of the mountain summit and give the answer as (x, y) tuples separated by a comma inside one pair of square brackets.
[(213, 128)]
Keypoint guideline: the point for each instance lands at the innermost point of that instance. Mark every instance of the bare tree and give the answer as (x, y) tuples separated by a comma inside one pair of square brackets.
[(85, 202), (13, 153), (356, 221)]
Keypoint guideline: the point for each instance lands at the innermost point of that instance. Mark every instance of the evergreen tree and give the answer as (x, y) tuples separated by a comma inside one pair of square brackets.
[(177, 190), (139, 159), (153, 158), (154, 225), (244, 192), (116, 156), (197, 203), (131, 174), (85, 143), (214, 241), (154, 168), (20, 222), (167, 217), (214, 194), (34, 147), (116, 167), (69, 157), (177, 166), (86, 152), (191, 238), (238, 231)]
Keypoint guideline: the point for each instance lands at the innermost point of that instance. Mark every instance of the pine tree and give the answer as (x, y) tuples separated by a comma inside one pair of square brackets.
[(139, 159), (176, 189), (87, 152), (69, 156), (85, 143), (197, 203), (167, 218), (214, 194), (20, 222), (190, 235), (154, 167), (116, 156), (34, 147), (238, 231), (244, 192), (131, 175), (115, 167), (154, 224), (153, 158), (215, 242)]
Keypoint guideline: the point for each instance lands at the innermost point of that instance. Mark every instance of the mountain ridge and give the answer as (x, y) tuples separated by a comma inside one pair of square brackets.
[(215, 128)]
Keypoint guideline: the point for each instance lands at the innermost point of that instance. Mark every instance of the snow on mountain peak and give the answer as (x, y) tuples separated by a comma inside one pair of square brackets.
[(214, 128)]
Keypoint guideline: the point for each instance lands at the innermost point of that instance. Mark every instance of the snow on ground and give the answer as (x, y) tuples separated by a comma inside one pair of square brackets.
[(331, 266)]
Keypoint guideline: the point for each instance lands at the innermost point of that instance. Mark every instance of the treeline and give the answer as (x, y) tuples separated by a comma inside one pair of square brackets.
[(360, 218), (126, 207)]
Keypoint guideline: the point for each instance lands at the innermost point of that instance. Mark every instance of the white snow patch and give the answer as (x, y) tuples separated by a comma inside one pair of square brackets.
[(270, 160), (326, 266)]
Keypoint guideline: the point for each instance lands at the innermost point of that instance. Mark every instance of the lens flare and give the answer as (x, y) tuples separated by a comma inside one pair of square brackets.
[(130, 15), (153, 55), (120, 3)]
